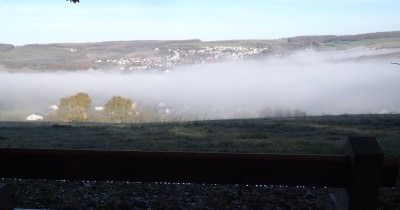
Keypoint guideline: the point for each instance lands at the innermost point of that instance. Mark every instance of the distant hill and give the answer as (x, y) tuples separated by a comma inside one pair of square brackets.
[(5, 47), (154, 54), (332, 38)]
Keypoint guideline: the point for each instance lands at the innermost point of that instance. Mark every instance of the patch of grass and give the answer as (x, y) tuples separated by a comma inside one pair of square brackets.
[(192, 133), (378, 43)]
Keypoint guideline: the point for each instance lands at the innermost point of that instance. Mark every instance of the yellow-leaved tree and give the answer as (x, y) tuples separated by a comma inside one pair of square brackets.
[(118, 110), (75, 108)]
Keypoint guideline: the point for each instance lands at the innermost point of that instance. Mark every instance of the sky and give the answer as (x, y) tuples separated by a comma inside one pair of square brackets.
[(54, 21)]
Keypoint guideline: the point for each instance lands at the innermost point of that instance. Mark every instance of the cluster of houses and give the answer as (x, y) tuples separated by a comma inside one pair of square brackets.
[(167, 58)]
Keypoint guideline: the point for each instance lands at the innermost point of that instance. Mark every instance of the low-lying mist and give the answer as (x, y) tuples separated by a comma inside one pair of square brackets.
[(313, 82)]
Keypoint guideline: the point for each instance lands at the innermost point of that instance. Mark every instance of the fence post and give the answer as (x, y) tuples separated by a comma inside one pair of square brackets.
[(365, 172), (7, 201)]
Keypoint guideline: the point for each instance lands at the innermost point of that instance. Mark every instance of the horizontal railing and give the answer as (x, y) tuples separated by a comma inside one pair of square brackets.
[(221, 168), (363, 165)]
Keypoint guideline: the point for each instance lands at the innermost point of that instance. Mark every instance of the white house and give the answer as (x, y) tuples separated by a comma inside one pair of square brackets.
[(98, 108), (34, 117)]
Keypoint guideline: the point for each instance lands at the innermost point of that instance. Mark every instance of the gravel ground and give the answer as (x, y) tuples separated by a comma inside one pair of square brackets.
[(74, 195)]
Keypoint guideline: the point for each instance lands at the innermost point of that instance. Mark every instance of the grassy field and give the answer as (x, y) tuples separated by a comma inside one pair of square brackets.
[(324, 135)]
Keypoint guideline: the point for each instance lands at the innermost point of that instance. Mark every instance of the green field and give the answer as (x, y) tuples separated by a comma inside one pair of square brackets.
[(321, 135)]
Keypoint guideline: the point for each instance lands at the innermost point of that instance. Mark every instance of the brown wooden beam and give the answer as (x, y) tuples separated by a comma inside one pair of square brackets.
[(223, 168), (218, 168)]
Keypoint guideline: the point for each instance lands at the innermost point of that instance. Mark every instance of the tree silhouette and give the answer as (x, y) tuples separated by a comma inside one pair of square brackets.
[(74, 1)]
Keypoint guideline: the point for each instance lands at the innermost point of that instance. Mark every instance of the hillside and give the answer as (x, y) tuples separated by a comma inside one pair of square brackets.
[(151, 54)]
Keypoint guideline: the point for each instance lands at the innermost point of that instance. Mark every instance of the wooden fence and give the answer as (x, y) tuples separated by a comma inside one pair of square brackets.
[(361, 171)]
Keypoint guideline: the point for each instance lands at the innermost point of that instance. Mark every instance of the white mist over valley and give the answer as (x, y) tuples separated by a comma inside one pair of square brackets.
[(328, 82)]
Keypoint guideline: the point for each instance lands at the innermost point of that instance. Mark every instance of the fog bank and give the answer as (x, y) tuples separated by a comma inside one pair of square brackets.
[(314, 82)]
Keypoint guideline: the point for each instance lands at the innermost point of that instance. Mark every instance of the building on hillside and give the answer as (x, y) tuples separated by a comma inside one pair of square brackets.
[(35, 117)]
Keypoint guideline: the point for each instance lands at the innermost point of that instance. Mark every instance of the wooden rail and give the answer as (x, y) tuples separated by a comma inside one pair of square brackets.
[(222, 168), (362, 168)]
